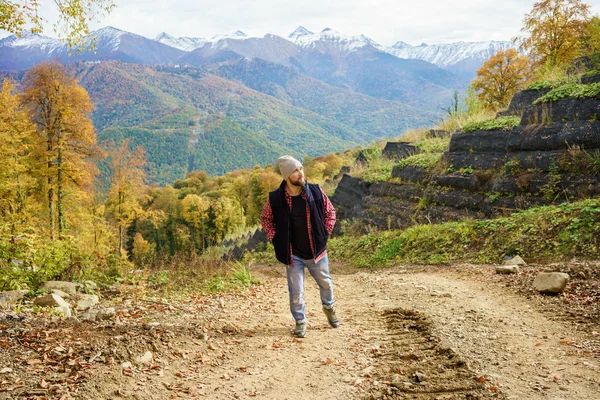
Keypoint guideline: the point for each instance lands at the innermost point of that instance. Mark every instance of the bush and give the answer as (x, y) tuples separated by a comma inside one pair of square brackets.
[(502, 123), (570, 90)]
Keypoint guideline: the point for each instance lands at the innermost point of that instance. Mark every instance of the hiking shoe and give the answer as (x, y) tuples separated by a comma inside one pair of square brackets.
[(334, 321), (300, 329)]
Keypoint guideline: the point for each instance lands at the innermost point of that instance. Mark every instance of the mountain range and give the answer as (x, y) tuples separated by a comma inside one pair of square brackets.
[(194, 103)]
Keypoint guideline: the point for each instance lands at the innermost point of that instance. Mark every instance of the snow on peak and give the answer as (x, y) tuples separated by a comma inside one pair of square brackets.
[(334, 40), (30, 41), (448, 54), (299, 32), (182, 43), (108, 33)]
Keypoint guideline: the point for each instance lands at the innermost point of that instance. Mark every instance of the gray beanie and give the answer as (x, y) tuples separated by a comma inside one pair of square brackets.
[(287, 165)]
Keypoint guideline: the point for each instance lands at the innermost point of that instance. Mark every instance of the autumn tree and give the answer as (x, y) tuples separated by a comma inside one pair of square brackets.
[(555, 29), (127, 185), (16, 182), (195, 212), (500, 77), (65, 143), (19, 16)]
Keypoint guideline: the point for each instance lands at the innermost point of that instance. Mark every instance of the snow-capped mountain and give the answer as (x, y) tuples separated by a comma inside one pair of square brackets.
[(461, 57), (108, 44), (192, 43), (329, 40)]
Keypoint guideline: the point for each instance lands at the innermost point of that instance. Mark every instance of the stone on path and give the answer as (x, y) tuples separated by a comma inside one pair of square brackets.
[(87, 301), (54, 300), (516, 260), (507, 269), (551, 282), (67, 287), (12, 297)]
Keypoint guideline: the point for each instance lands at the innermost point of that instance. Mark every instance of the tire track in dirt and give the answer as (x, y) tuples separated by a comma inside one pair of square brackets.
[(404, 334)]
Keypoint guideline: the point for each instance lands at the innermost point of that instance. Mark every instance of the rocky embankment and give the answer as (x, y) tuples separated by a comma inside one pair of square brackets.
[(551, 157)]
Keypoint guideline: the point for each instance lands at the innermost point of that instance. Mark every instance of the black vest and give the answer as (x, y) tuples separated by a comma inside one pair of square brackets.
[(281, 218)]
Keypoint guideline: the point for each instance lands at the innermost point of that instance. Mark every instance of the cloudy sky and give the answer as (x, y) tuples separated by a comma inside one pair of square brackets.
[(385, 21)]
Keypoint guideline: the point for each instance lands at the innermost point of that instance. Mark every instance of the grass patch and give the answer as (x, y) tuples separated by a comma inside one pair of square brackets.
[(570, 90), (502, 123), (423, 160), (542, 233), (434, 145)]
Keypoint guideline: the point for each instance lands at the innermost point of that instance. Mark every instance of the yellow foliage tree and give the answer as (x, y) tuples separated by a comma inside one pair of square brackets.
[(127, 186), (73, 17), (65, 144), (500, 77), (555, 29), (195, 212), (16, 182)]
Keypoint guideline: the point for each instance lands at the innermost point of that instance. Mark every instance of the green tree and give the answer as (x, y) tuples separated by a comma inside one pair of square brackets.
[(195, 212), (555, 29), (66, 141), (73, 17)]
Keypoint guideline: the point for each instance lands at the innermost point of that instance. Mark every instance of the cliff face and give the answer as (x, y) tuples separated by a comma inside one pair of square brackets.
[(551, 157)]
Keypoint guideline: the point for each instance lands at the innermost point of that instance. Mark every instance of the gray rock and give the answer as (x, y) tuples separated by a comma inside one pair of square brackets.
[(127, 365), (507, 269), (551, 282), (145, 359), (516, 260), (54, 300), (106, 313), (62, 294), (68, 287), (87, 301), (90, 285), (12, 297), (419, 376)]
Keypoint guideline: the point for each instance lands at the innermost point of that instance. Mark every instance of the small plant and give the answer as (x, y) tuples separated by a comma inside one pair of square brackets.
[(502, 123), (423, 160), (570, 90)]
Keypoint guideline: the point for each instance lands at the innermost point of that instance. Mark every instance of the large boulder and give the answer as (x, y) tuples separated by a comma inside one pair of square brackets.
[(67, 287), (87, 301), (399, 150), (551, 282)]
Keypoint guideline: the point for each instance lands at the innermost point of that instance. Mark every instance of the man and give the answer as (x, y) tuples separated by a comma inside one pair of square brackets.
[(298, 218)]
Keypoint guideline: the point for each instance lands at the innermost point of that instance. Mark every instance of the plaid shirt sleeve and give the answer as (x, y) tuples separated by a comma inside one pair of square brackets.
[(266, 220), (329, 213)]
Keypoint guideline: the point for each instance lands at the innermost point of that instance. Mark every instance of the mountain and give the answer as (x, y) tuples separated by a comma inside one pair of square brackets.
[(354, 63), (460, 58), (190, 43), (189, 119), (18, 53)]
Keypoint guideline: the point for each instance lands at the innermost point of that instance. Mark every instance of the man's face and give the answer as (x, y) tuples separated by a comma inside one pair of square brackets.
[(297, 177)]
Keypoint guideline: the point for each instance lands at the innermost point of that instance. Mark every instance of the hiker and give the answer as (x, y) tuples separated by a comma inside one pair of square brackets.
[(298, 218)]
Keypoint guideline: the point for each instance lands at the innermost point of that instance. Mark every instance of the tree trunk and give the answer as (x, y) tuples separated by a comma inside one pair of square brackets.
[(60, 191)]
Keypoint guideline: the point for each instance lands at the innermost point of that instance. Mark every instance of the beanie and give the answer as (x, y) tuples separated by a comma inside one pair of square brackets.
[(287, 165)]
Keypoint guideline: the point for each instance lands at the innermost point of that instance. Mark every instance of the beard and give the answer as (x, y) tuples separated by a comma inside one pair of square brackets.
[(298, 183)]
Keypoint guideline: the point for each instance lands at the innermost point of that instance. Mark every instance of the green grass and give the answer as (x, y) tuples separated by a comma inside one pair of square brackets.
[(543, 233), (570, 90), (424, 160), (503, 123)]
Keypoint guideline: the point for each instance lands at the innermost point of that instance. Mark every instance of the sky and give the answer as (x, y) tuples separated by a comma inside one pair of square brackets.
[(385, 21)]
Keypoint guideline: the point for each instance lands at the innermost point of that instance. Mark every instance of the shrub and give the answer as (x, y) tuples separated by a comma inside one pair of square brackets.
[(502, 123)]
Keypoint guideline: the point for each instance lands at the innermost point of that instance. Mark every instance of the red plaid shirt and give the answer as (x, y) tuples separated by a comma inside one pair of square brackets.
[(266, 220)]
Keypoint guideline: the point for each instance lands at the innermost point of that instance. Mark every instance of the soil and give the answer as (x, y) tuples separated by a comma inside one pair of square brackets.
[(451, 332)]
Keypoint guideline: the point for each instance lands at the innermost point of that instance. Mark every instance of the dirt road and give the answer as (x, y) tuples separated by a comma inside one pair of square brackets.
[(405, 333)]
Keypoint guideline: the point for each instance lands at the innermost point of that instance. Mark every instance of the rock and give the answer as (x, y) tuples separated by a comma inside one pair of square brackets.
[(228, 328), (106, 313), (62, 294), (516, 260), (87, 301), (507, 269), (12, 297), (54, 300), (90, 285), (145, 359), (68, 287), (551, 282), (6, 370), (89, 315), (126, 365), (398, 150), (420, 376)]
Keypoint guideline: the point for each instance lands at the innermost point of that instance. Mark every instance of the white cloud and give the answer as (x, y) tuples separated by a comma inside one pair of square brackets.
[(385, 21)]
